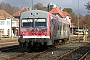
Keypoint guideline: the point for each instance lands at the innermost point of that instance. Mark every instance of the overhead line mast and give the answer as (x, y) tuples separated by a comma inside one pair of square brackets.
[(31, 5)]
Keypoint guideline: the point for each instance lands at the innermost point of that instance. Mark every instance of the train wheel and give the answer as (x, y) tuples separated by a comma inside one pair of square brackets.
[(21, 44), (44, 46), (60, 42), (63, 41), (56, 42), (31, 49)]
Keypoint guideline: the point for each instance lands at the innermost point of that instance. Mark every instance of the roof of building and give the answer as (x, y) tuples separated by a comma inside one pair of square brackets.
[(58, 11), (4, 14), (18, 13), (64, 13), (2, 17)]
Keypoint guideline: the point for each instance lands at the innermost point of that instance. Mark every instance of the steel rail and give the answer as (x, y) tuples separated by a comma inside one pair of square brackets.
[(83, 57)]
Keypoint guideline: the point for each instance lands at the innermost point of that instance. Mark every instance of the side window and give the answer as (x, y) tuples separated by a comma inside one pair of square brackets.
[(51, 25), (60, 26)]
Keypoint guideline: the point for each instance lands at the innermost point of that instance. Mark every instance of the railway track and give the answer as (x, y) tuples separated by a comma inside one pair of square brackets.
[(11, 52), (51, 54), (8, 48), (37, 55), (58, 53), (28, 55), (31, 55), (76, 54)]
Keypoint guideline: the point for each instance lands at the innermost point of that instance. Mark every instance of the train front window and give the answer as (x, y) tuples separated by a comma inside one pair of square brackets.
[(40, 22), (33, 22), (27, 22)]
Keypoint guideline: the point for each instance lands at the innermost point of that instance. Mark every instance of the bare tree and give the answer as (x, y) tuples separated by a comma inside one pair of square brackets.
[(8, 8), (16, 8), (39, 6), (87, 6)]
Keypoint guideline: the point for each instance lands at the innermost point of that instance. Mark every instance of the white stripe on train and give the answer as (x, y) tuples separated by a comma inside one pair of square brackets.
[(36, 36)]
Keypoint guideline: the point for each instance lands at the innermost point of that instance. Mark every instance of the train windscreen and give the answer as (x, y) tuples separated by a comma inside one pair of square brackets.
[(36, 22), (40, 23), (27, 22)]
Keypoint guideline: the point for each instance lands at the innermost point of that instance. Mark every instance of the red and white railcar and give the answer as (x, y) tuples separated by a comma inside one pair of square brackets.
[(40, 28)]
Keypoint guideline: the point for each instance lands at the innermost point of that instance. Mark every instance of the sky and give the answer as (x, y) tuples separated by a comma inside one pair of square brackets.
[(74, 4)]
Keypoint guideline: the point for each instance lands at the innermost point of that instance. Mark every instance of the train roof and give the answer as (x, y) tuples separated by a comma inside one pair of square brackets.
[(34, 13)]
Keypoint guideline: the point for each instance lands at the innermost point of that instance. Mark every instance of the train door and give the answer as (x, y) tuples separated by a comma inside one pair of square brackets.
[(65, 29), (51, 29), (62, 29)]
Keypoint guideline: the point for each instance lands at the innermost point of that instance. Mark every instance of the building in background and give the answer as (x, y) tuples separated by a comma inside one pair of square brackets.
[(58, 12), (8, 25)]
